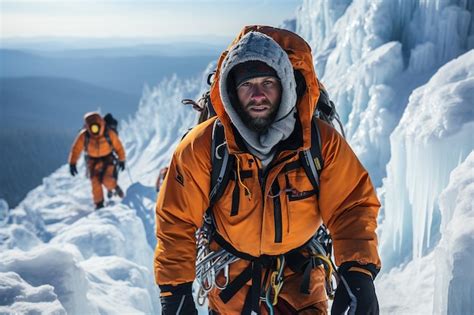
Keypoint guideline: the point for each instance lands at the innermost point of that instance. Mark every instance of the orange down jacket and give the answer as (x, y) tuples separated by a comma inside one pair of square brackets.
[(347, 205), (98, 145)]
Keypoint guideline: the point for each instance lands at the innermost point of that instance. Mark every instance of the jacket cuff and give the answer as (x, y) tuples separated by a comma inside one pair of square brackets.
[(353, 266), (180, 289), (362, 251)]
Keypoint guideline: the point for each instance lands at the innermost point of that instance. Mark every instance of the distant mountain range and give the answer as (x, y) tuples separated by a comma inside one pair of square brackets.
[(37, 101), (112, 69), (177, 49)]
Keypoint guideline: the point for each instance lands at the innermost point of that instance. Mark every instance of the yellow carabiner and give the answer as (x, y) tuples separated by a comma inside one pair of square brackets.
[(276, 287), (329, 273), (276, 281), (327, 261)]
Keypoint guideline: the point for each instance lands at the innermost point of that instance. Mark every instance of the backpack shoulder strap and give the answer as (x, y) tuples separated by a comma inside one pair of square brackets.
[(87, 138), (311, 159), (316, 146), (221, 163), (107, 137)]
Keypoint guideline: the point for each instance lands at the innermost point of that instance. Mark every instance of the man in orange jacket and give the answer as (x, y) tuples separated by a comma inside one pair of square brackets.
[(100, 145), (264, 94)]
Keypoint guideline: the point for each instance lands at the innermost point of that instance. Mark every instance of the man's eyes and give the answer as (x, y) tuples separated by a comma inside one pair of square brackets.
[(268, 83)]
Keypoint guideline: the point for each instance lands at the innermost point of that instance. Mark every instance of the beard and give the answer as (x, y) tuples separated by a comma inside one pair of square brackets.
[(257, 124)]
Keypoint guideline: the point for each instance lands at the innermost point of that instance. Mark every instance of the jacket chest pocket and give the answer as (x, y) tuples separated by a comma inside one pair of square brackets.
[(301, 202)]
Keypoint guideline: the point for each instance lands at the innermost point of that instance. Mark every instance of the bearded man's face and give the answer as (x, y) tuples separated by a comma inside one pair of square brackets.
[(259, 100)]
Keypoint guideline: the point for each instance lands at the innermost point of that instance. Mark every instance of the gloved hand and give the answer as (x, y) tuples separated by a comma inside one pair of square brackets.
[(177, 299), (73, 169), (361, 285), (121, 165)]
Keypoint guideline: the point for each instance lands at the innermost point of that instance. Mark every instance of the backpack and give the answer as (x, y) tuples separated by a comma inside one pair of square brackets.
[(222, 169), (111, 122)]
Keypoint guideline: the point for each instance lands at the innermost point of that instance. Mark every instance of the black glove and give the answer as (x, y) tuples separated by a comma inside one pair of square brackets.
[(362, 289), (177, 299), (121, 165), (73, 169)]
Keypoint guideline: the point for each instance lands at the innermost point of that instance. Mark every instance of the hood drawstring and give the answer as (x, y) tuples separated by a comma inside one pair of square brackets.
[(248, 194)]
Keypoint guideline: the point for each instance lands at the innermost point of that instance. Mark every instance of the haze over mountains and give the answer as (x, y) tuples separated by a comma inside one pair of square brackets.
[(46, 86), (109, 68)]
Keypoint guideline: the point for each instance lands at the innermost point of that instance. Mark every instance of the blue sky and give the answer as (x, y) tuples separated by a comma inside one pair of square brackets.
[(138, 18)]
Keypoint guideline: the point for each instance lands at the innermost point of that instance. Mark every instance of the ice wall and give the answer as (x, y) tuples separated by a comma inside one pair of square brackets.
[(315, 22), (454, 280), (348, 36), (356, 60), (433, 32), (434, 135)]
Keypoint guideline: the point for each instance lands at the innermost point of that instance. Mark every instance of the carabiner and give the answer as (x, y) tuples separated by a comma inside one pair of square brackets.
[(276, 279), (276, 286), (226, 277), (201, 296)]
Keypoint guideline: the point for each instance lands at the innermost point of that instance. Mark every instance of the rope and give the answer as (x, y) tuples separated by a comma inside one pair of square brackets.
[(246, 189)]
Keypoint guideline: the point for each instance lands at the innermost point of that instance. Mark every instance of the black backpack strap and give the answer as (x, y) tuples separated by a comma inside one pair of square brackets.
[(109, 141), (220, 172), (316, 146), (311, 159), (107, 137), (221, 163), (87, 138)]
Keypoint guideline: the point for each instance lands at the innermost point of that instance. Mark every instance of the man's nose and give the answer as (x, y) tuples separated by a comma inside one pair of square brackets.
[(257, 94)]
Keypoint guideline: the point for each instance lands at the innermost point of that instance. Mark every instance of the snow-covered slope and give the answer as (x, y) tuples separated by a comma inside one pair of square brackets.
[(59, 255)]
